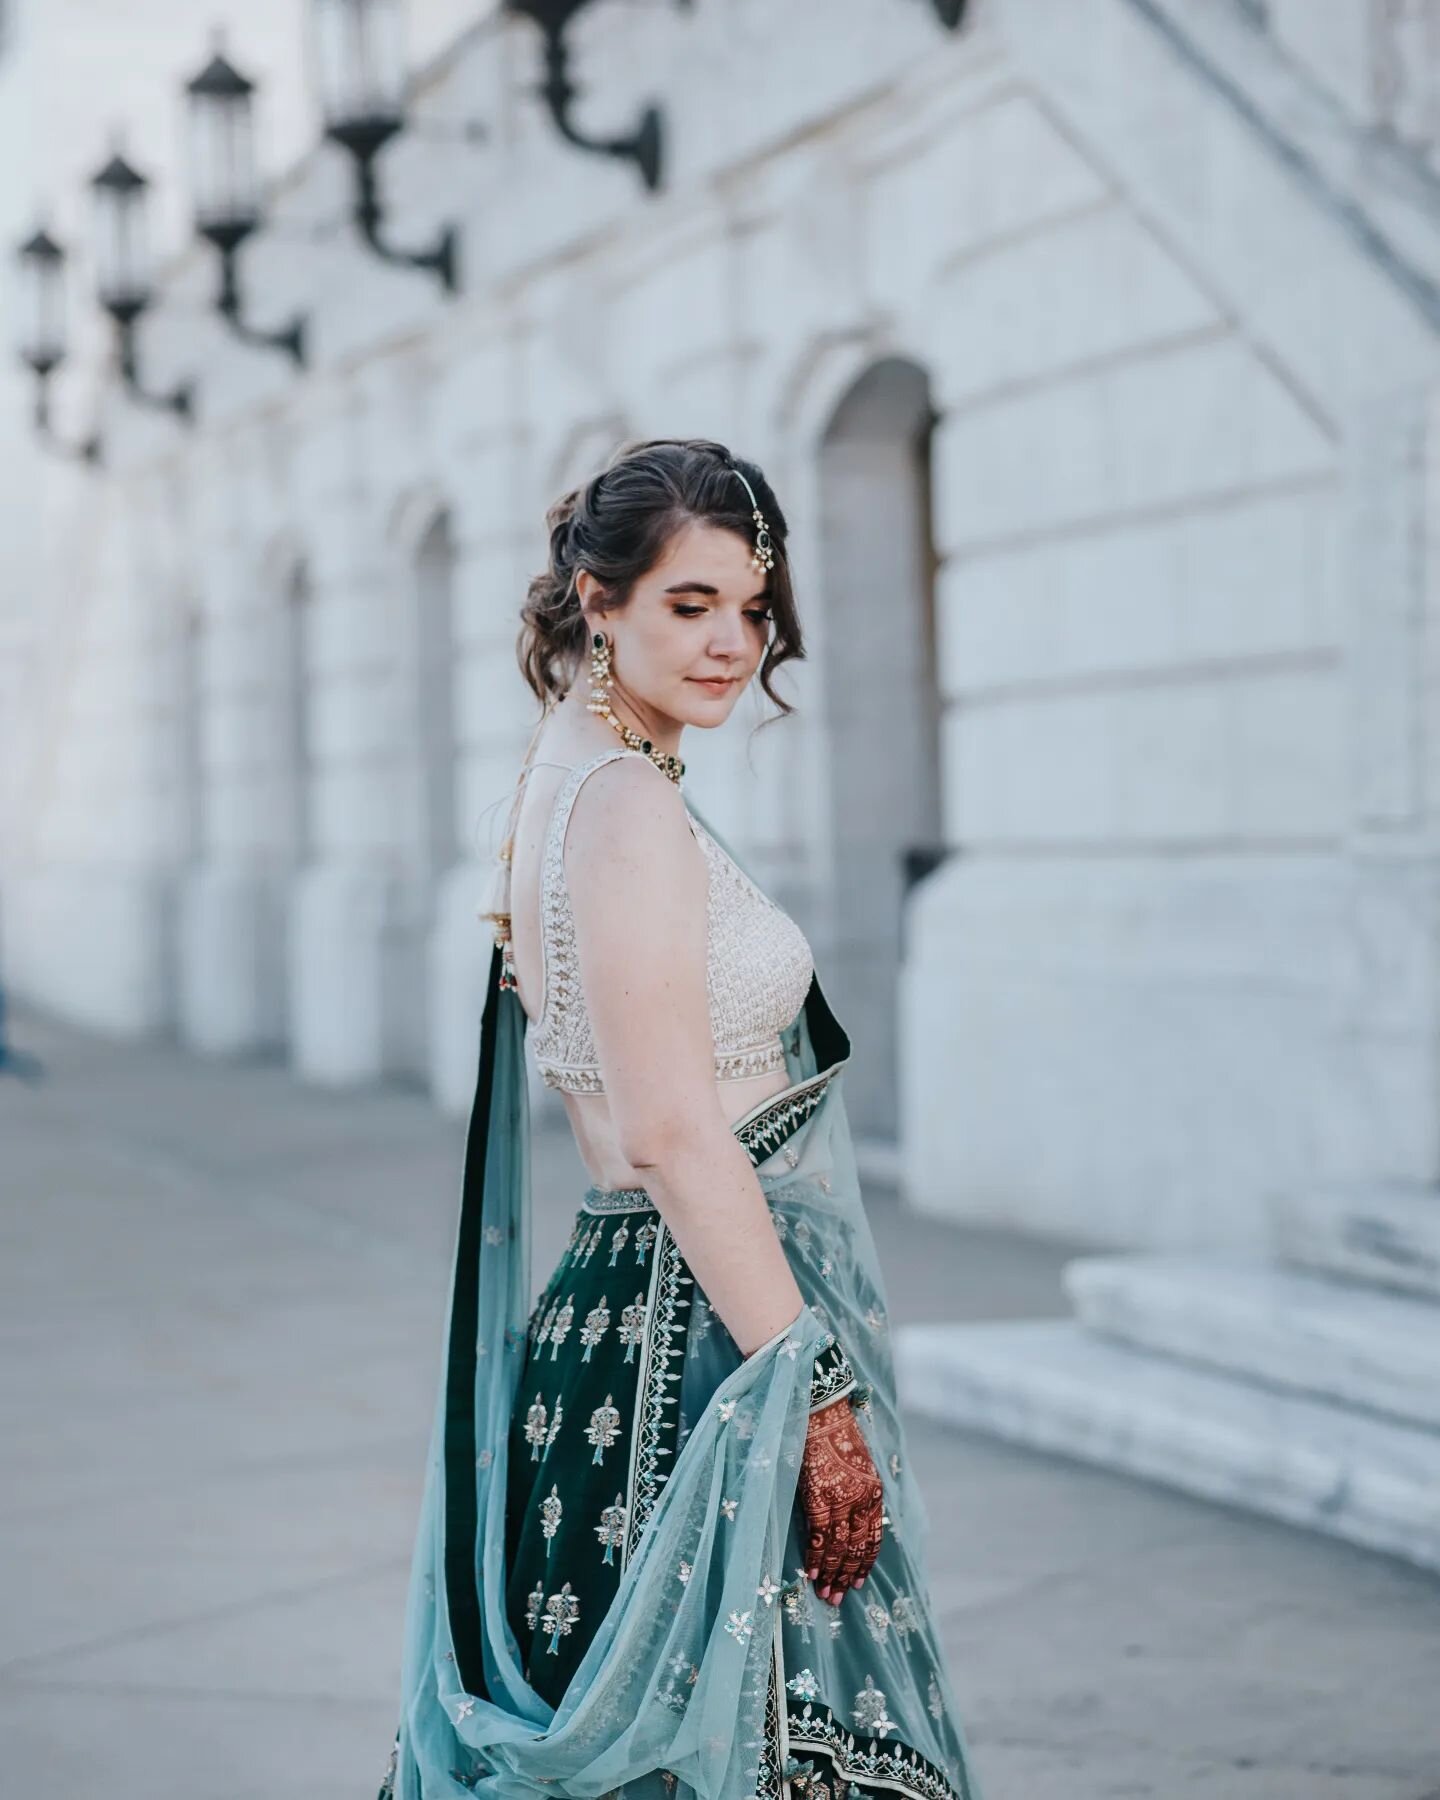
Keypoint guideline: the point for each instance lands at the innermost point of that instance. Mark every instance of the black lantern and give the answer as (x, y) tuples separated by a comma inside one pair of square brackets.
[(951, 13), (123, 270), (226, 192), (359, 60), (42, 331), (554, 18)]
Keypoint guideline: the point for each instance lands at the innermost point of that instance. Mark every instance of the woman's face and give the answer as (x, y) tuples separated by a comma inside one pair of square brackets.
[(700, 613)]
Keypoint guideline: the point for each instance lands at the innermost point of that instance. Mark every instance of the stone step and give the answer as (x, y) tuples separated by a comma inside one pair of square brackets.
[(1389, 1236), (1054, 1386), (1338, 1340)]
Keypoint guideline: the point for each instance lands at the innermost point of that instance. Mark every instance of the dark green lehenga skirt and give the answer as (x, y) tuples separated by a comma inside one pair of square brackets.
[(623, 1353), (643, 1515)]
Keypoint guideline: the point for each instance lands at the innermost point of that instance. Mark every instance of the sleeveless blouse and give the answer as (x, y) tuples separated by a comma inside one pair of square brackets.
[(758, 962)]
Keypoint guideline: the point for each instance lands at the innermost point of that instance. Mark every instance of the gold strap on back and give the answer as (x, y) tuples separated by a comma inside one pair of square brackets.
[(499, 913)]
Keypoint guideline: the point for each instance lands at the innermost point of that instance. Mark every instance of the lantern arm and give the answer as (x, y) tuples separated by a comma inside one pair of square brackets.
[(439, 258), (643, 146), (181, 398), (85, 450), (290, 339)]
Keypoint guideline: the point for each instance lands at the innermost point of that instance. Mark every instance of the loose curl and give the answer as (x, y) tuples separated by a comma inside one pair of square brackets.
[(617, 526)]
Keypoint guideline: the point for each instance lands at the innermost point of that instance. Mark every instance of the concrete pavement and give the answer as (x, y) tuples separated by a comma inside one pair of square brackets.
[(221, 1305)]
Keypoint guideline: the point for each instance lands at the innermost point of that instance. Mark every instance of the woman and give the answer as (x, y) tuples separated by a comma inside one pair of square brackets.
[(669, 1542)]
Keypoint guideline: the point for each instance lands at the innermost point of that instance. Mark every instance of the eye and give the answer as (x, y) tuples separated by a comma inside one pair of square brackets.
[(688, 612), (762, 616)]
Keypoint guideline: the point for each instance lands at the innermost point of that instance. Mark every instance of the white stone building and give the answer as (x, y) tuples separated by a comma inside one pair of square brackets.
[(1091, 361), (1092, 353)]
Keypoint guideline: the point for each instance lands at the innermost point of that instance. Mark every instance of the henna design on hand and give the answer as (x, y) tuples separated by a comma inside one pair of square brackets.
[(843, 1498)]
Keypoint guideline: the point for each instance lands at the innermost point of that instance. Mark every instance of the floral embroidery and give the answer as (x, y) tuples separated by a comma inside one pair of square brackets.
[(604, 1428), (561, 1326), (535, 1418), (611, 1529), (728, 1508), (597, 1323), (561, 1610), (803, 1683), (632, 1326), (739, 1626), (869, 1709), (550, 1511), (554, 1422), (768, 1589), (534, 1600)]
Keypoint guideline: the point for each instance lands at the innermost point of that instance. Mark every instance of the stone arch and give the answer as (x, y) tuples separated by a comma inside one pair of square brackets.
[(879, 702)]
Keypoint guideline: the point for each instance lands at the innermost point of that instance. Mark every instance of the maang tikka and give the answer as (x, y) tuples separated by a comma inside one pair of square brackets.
[(763, 555)]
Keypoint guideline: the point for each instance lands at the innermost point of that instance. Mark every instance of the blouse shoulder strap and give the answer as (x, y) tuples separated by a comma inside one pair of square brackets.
[(552, 866)]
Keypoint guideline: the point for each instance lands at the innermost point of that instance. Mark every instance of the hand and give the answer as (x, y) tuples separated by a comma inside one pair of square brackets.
[(843, 1498)]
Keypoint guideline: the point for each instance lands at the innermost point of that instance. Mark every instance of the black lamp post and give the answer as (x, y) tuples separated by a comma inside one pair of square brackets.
[(359, 48), (951, 13), (42, 341), (642, 146), (226, 193), (123, 272)]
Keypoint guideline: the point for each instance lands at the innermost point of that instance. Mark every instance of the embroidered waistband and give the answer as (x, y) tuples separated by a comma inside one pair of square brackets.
[(762, 1131)]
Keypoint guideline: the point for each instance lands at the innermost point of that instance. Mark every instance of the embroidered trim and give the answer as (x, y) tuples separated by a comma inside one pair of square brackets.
[(770, 1783), (617, 1200), (895, 1766), (662, 1326), (833, 1374), (766, 1129)]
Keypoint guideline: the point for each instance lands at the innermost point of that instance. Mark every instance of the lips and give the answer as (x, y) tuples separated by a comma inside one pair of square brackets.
[(716, 684)]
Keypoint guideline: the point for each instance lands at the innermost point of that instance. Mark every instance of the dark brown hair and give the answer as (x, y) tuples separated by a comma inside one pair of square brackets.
[(617, 526)]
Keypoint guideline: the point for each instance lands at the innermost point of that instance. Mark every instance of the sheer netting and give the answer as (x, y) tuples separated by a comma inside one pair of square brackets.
[(716, 1671)]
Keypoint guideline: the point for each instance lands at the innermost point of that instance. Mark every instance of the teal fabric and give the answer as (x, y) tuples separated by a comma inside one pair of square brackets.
[(677, 1650)]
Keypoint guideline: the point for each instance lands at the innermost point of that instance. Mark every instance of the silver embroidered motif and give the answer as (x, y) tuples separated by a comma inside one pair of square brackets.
[(604, 1428), (611, 1529), (536, 1418), (561, 1326), (632, 1326), (758, 963), (597, 1323), (550, 1511), (561, 1612)]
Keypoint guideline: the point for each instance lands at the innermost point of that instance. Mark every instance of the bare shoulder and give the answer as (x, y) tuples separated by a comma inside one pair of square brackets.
[(630, 818)]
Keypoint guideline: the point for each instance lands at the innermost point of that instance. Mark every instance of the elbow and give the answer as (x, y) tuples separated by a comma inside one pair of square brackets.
[(673, 1140)]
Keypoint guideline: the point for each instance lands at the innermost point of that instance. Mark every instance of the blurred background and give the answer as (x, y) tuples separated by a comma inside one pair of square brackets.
[(1091, 347)]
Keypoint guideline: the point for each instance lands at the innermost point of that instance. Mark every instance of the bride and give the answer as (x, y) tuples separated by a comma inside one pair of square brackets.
[(669, 1542)]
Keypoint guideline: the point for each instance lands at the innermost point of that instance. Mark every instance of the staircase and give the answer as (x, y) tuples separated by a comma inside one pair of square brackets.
[(1306, 1387)]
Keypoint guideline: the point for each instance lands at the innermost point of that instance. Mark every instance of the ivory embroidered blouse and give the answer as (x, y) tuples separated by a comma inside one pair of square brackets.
[(758, 963)]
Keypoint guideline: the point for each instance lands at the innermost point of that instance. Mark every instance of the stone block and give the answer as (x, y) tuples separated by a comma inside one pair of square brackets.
[(1052, 1386), (1340, 1341)]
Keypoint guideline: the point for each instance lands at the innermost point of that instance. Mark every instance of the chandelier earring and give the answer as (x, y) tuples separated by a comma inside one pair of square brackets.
[(601, 682)]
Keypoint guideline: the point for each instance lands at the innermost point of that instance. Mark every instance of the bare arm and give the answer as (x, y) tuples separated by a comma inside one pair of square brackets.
[(638, 886)]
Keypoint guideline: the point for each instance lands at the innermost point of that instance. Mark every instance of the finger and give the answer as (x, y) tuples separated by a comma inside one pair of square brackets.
[(814, 1550), (837, 1544)]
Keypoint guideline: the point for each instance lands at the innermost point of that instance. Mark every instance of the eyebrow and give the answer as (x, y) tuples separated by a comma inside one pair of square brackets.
[(703, 587)]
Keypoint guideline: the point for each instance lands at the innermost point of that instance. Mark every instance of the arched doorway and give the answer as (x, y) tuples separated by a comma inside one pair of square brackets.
[(428, 839), (291, 837), (435, 658), (881, 705)]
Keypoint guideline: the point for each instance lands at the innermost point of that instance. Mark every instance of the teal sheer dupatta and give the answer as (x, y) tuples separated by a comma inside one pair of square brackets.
[(683, 1689)]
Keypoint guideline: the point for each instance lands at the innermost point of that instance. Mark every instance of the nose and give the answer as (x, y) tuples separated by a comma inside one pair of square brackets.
[(728, 637)]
